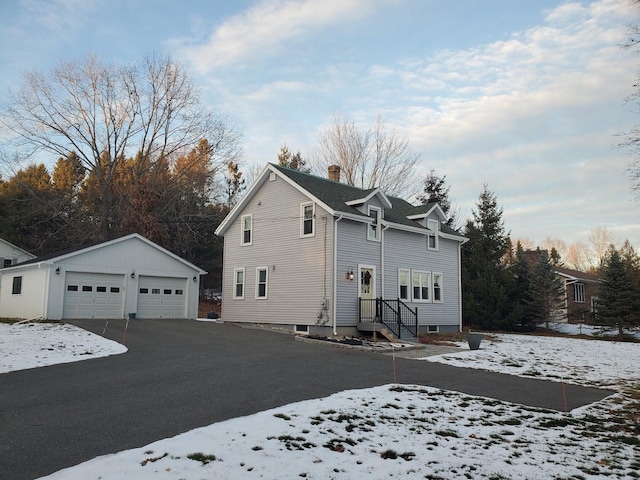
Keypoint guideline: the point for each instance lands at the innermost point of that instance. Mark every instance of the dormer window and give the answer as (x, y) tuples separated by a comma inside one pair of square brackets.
[(373, 228), (432, 237)]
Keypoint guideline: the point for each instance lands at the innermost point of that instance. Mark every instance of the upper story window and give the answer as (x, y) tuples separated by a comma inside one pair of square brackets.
[(247, 229), (261, 282), (403, 284), (17, 286), (421, 286), (7, 262), (437, 287), (238, 283), (578, 292), (432, 237), (307, 220), (373, 228)]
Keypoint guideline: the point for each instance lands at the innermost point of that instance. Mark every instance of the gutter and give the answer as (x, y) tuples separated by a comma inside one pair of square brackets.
[(335, 274)]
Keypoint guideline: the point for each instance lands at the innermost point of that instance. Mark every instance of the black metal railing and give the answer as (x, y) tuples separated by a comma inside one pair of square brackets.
[(393, 314)]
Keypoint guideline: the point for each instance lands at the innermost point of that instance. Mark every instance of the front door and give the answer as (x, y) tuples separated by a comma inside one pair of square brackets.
[(367, 291)]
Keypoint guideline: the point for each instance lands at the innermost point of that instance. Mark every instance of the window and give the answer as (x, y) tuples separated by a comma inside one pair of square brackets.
[(307, 214), (403, 284), (238, 290), (155, 291), (144, 290), (437, 287), (17, 286), (114, 289), (72, 288), (301, 329), (261, 282), (432, 237), (247, 226), (87, 288), (578, 292), (373, 228), (432, 329), (7, 262), (167, 291), (179, 291), (101, 289), (421, 281)]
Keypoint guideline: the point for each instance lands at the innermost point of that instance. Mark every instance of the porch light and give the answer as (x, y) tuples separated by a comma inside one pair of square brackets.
[(133, 274), (350, 274), (58, 271)]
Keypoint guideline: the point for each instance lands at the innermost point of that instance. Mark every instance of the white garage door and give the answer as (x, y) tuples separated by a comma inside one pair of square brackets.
[(161, 297), (93, 295)]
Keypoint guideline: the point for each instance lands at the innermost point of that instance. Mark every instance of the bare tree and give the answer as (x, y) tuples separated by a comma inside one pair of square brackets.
[(549, 243), (632, 136), (600, 239), (375, 157), (579, 257), (106, 113)]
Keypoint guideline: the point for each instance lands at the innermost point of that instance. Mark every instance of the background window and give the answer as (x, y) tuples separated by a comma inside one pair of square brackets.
[(261, 280), (17, 286), (307, 219), (403, 284), (421, 286), (437, 287), (578, 292), (238, 290), (432, 238), (247, 225), (373, 228)]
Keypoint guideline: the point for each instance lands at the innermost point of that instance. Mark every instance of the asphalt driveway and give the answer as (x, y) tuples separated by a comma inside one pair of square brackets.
[(178, 375)]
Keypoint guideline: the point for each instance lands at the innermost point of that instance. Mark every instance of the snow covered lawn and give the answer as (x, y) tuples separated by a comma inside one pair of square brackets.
[(30, 345), (406, 431)]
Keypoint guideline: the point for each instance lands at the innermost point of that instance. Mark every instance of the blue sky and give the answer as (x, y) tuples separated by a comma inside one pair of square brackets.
[(527, 96)]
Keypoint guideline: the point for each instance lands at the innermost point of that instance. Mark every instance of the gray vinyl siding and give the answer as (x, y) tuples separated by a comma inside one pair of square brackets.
[(409, 250), (299, 269)]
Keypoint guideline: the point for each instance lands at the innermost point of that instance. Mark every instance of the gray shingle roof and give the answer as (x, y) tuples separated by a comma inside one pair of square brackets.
[(336, 195)]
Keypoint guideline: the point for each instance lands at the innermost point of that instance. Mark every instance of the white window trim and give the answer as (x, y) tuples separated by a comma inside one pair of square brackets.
[(409, 286), (434, 226), (235, 283), (376, 237), (266, 283), (433, 288), (242, 230), (302, 220), (430, 293)]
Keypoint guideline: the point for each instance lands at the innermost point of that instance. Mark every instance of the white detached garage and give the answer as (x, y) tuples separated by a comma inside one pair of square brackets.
[(114, 279)]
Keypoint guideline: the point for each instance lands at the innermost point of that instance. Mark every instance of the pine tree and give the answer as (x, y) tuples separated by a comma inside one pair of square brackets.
[(485, 282), (292, 160), (437, 191), (619, 299), (547, 291)]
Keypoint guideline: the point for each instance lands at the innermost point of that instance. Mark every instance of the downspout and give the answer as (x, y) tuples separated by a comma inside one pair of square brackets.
[(460, 283), (45, 301), (335, 274), (382, 261)]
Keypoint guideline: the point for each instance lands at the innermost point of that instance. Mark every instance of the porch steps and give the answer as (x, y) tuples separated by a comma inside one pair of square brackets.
[(406, 335)]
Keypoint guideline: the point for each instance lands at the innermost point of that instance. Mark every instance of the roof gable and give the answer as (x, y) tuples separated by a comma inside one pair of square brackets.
[(82, 249)]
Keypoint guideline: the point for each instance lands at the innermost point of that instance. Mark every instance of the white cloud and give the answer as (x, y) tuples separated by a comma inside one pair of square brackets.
[(261, 29)]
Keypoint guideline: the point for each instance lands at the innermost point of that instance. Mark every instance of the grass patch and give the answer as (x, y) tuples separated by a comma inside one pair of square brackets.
[(201, 457)]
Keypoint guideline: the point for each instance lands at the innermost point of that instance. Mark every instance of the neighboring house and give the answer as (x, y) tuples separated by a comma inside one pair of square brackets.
[(581, 292), (11, 254), (322, 257), (582, 295), (113, 279)]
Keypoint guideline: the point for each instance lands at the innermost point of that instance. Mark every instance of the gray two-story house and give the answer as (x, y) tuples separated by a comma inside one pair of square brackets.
[(322, 257)]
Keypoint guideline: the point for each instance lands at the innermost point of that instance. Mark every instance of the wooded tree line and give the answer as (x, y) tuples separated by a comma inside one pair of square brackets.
[(502, 290)]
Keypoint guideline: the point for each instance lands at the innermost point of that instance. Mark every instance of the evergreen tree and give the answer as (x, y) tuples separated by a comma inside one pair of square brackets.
[(437, 191), (619, 299), (522, 316), (547, 290), (485, 282), (292, 160)]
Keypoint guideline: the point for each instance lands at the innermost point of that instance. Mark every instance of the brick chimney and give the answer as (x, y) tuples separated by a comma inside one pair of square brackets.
[(334, 173)]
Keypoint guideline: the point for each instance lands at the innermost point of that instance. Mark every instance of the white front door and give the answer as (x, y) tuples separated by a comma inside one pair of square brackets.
[(367, 279)]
